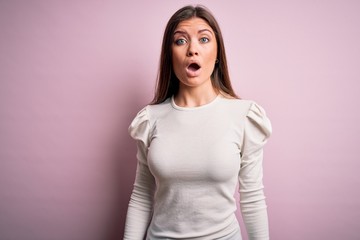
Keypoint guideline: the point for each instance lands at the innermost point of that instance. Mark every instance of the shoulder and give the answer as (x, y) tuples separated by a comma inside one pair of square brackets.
[(245, 105), (236, 105), (156, 111), (246, 110), (145, 118), (257, 121)]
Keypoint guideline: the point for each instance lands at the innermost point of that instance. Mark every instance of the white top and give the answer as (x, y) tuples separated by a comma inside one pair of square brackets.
[(189, 163)]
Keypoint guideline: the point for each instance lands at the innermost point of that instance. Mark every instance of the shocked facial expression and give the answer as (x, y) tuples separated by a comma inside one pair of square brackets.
[(194, 52)]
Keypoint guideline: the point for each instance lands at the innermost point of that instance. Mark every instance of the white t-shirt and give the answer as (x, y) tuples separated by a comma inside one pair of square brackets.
[(190, 161)]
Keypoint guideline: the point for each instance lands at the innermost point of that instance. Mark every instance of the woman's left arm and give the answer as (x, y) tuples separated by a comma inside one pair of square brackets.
[(257, 130)]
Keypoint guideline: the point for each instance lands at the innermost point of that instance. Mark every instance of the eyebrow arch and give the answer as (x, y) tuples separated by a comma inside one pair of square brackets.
[(180, 32), (200, 31), (205, 30)]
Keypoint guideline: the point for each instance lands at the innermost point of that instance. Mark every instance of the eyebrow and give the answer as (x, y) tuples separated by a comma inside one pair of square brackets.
[(200, 31)]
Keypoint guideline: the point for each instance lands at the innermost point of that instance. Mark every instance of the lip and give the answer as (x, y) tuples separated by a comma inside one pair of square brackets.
[(191, 72)]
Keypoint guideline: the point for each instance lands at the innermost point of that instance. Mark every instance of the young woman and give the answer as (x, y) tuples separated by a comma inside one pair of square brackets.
[(196, 141)]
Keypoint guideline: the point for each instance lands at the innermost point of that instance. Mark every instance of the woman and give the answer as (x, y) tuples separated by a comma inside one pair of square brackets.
[(196, 141)]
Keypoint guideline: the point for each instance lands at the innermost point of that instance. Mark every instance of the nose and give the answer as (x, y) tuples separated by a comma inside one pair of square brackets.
[(192, 50)]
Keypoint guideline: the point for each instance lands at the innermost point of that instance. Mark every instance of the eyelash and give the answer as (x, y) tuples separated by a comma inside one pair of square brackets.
[(182, 41), (204, 40)]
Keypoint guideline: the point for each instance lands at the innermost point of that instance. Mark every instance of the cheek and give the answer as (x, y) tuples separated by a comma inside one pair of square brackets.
[(211, 57), (214, 51), (173, 57), (176, 65), (176, 61)]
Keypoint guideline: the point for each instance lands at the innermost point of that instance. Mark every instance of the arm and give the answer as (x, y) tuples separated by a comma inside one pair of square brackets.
[(141, 200), (252, 200)]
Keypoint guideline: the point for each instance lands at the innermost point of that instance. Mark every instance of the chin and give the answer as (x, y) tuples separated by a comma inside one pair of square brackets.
[(194, 82)]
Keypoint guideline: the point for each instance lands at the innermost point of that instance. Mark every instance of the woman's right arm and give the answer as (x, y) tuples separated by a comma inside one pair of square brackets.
[(141, 200)]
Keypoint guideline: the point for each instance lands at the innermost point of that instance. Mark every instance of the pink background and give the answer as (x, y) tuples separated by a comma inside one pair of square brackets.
[(74, 73)]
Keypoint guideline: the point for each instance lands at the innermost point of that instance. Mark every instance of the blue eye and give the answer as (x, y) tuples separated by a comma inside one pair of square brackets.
[(180, 41), (204, 40)]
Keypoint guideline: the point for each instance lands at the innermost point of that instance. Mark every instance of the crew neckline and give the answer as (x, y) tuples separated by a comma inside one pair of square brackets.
[(174, 105)]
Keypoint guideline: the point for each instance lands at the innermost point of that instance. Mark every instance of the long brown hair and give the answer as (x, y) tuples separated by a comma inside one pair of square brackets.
[(167, 82)]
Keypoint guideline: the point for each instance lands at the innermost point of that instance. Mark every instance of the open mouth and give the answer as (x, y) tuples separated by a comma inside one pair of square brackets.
[(194, 67)]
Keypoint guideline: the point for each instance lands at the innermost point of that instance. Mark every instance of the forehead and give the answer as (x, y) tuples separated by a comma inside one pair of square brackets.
[(194, 23)]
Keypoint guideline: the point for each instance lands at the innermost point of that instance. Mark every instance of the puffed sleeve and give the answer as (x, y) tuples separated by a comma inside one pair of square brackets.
[(257, 130), (141, 200)]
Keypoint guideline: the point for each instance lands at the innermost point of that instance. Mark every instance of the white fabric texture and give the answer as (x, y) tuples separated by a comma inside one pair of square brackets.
[(189, 163)]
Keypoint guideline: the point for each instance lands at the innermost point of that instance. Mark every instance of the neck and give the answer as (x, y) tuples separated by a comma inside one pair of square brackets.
[(195, 97)]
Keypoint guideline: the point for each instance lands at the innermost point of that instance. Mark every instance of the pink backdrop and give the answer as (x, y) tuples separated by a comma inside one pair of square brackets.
[(74, 73)]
